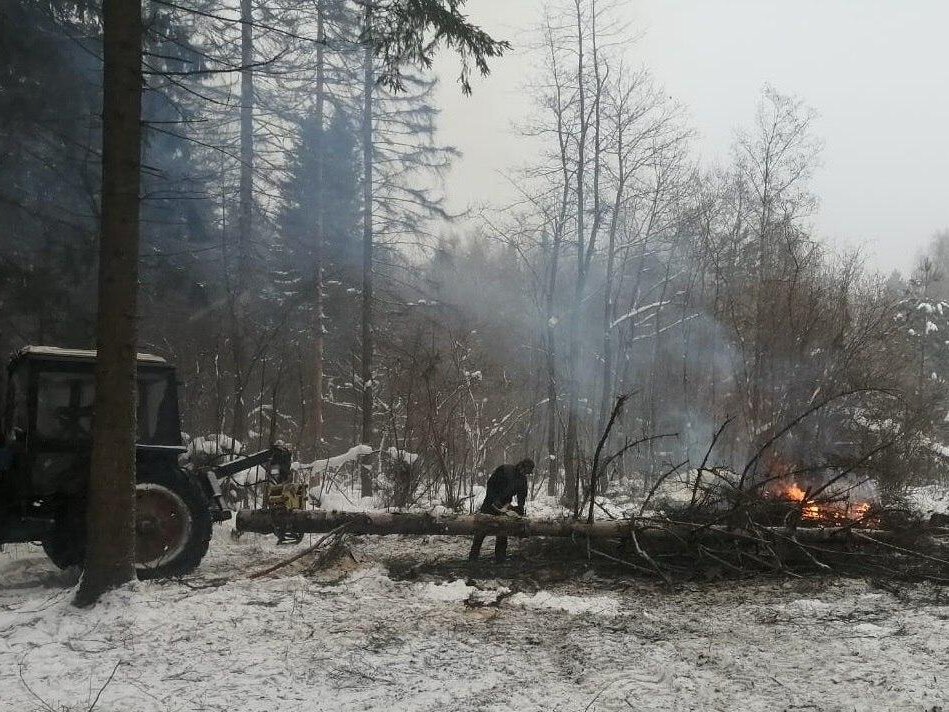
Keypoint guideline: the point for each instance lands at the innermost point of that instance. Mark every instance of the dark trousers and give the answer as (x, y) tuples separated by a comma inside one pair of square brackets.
[(500, 547)]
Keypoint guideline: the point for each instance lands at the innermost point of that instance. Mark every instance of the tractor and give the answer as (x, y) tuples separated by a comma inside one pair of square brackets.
[(45, 453)]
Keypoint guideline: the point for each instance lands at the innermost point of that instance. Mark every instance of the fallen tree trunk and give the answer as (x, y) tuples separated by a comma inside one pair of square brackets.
[(647, 530), (662, 546), (318, 521)]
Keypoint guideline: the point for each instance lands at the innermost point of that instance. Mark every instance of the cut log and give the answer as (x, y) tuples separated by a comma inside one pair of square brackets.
[(652, 532), (319, 521)]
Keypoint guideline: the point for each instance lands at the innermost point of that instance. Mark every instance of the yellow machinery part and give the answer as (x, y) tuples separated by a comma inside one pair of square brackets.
[(287, 496)]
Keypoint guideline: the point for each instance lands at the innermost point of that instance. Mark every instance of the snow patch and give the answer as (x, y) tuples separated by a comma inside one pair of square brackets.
[(574, 605), (871, 630), (809, 607), (396, 454), (207, 447), (450, 592), (334, 463)]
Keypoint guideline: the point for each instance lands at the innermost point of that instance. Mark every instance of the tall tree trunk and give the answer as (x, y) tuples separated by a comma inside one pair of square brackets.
[(110, 520), (550, 333), (553, 463), (365, 474), (245, 217), (246, 187), (571, 463), (570, 455), (318, 328), (553, 387), (586, 243), (609, 309), (608, 315)]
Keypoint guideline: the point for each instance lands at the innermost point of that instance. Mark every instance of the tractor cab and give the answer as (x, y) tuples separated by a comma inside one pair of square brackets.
[(47, 419)]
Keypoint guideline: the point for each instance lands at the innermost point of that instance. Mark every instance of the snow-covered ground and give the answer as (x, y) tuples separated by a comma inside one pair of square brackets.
[(407, 624)]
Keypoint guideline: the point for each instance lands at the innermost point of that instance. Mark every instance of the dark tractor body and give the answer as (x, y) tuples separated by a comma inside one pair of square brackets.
[(45, 458)]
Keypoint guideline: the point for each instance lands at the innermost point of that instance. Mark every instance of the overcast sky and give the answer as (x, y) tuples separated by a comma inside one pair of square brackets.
[(876, 71)]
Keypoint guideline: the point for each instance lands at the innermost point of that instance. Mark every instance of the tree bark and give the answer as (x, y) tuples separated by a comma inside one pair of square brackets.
[(110, 516), (365, 473)]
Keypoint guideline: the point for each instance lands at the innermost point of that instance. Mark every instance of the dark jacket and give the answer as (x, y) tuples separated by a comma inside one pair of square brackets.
[(504, 484)]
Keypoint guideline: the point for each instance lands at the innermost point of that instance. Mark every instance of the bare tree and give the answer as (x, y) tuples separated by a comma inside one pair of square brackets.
[(590, 86)]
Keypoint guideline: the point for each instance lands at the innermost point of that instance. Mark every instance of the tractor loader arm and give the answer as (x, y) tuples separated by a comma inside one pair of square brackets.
[(276, 458)]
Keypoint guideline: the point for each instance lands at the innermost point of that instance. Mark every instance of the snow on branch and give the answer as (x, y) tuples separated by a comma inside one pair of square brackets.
[(637, 311)]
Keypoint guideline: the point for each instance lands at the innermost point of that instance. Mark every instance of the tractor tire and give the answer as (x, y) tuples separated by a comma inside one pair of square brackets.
[(172, 527), (65, 546), (173, 523)]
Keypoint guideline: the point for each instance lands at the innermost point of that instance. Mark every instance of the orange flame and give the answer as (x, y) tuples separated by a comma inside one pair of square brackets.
[(795, 493), (824, 512)]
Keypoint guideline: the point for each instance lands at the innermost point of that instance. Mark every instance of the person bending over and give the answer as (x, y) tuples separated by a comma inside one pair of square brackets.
[(504, 484)]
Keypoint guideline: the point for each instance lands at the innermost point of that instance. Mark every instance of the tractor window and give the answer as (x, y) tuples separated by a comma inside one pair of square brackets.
[(64, 406), (157, 409), (17, 405)]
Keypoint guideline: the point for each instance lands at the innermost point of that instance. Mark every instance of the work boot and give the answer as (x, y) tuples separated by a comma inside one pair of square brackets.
[(475, 548), (500, 550)]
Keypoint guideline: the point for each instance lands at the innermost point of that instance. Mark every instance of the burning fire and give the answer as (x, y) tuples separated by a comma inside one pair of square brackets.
[(796, 494), (827, 512), (827, 507)]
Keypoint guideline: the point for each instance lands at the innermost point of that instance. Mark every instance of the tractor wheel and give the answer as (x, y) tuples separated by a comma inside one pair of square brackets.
[(172, 523), (172, 526)]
